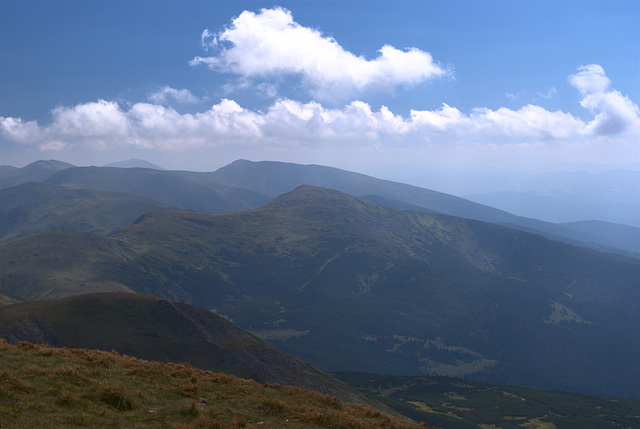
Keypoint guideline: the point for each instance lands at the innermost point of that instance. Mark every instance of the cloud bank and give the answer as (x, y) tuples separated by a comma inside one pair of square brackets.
[(289, 123), (270, 44)]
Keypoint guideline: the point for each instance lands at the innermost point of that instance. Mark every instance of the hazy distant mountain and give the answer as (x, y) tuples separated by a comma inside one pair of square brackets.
[(346, 284), (561, 196), (7, 170), (157, 329), (34, 172), (181, 189), (562, 207), (611, 234), (36, 207), (134, 163)]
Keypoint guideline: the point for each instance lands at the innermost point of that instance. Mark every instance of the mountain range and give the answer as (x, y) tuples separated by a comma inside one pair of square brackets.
[(245, 185), (344, 271), (346, 284)]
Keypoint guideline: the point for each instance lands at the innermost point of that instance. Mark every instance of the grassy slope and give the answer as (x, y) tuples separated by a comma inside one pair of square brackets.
[(464, 404), (45, 387), (345, 284), (152, 328)]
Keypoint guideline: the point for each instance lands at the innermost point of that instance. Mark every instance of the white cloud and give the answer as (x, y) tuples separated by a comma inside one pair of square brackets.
[(616, 113), (270, 43), (15, 129), (550, 93), (100, 119), (288, 123), (166, 94), (514, 96)]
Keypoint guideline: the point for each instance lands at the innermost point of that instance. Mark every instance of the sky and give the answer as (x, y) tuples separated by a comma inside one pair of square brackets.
[(388, 88)]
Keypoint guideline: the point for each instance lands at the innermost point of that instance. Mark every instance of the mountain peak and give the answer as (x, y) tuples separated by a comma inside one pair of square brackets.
[(134, 163), (315, 198)]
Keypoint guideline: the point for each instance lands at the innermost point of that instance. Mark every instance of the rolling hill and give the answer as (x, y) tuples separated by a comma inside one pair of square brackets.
[(181, 189), (346, 284), (34, 172), (35, 207)]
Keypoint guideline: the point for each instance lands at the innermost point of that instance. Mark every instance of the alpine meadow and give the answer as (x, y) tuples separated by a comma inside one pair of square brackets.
[(336, 214)]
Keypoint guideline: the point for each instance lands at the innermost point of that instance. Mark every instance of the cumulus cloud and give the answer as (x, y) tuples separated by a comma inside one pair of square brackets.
[(616, 113), (15, 129), (96, 120), (287, 123), (167, 94), (270, 43)]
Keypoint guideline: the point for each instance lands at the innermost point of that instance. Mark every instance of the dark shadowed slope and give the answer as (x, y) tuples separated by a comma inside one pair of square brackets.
[(452, 403), (346, 284), (152, 328)]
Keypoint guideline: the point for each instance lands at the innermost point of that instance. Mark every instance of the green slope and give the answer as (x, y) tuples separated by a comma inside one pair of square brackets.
[(349, 285), (35, 207), (41, 386)]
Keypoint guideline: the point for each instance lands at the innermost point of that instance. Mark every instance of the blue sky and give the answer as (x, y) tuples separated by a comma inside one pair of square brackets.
[(371, 86)]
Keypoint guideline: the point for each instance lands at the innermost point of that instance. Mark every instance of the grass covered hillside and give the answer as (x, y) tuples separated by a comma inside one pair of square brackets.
[(153, 328), (346, 284), (46, 387)]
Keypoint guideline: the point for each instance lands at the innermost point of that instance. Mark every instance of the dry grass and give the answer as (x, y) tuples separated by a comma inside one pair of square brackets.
[(46, 387)]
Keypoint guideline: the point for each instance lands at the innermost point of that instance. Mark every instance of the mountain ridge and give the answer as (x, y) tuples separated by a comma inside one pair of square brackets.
[(244, 185)]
